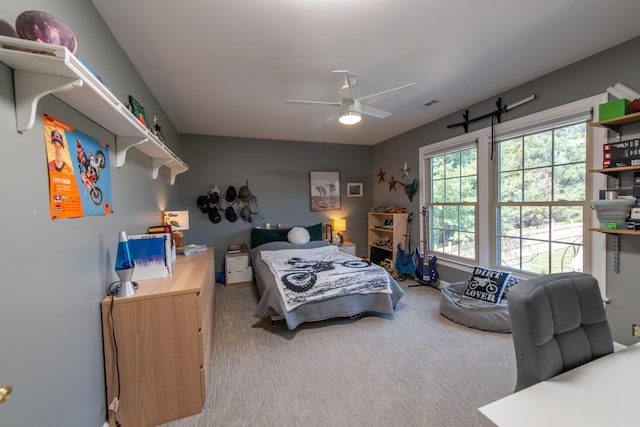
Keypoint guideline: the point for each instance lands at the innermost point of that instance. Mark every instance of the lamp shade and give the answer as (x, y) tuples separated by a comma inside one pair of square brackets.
[(178, 220), (124, 267), (350, 117), (340, 225)]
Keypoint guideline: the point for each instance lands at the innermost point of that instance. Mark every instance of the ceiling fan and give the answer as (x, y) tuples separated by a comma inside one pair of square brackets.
[(350, 108)]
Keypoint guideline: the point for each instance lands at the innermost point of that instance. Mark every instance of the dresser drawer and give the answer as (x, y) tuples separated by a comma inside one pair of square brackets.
[(205, 298), (240, 276), (237, 262)]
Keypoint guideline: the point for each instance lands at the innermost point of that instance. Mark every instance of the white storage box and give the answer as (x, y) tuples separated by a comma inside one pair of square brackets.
[(238, 269)]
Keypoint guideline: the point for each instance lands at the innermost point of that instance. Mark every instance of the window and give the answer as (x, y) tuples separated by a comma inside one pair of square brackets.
[(541, 196), (453, 203), (526, 207)]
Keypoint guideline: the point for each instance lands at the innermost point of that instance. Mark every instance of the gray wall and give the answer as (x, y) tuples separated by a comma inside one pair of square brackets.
[(588, 77), (55, 273), (278, 175)]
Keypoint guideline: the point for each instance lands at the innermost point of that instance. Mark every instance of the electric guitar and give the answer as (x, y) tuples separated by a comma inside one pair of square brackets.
[(431, 274), (405, 260)]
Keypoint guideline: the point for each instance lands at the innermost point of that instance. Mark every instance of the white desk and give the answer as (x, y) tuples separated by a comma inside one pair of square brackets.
[(601, 393)]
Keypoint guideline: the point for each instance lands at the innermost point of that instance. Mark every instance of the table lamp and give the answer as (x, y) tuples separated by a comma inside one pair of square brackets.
[(124, 268), (178, 220), (340, 226)]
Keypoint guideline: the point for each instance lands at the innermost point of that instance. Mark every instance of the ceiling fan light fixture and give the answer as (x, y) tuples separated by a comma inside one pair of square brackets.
[(349, 117)]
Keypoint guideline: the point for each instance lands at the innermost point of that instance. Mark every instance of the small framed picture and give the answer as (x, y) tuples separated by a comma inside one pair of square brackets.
[(138, 110), (354, 189)]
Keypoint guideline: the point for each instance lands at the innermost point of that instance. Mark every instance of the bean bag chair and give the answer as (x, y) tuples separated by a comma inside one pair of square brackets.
[(473, 313)]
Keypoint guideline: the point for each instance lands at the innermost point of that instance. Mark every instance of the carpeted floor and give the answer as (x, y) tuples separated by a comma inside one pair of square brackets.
[(417, 369)]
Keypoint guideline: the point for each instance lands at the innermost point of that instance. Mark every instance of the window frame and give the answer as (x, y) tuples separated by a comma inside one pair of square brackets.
[(462, 145), (594, 243), (552, 203)]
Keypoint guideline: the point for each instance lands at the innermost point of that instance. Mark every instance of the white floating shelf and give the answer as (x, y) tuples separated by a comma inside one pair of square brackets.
[(41, 69)]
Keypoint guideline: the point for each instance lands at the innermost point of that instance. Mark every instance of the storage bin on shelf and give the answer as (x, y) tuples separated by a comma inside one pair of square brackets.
[(613, 109), (613, 214)]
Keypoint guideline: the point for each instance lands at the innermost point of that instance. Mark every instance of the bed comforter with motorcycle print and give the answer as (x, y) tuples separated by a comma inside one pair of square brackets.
[(322, 273), (304, 283)]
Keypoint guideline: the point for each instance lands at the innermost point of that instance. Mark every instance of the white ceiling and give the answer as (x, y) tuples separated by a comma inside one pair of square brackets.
[(225, 67)]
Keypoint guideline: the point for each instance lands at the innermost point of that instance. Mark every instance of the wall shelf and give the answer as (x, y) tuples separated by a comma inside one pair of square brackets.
[(41, 69), (615, 172), (615, 123), (616, 231)]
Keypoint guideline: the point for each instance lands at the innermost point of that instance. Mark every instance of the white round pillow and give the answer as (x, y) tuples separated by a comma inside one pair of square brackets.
[(298, 236)]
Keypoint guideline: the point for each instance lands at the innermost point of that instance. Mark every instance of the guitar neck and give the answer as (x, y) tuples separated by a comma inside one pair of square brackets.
[(424, 232)]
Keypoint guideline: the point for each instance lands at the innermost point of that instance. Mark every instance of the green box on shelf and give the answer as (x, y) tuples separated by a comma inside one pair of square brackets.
[(613, 225), (613, 109)]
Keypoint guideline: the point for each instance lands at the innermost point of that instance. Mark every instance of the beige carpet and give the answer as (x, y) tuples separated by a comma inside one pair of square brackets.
[(417, 369)]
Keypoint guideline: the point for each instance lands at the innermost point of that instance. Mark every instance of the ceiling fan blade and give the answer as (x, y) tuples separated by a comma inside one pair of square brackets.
[(377, 97), (370, 111), (346, 91), (349, 104), (299, 101)]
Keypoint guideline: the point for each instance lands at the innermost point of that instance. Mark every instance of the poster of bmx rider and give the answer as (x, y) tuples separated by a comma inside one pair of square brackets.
[(79, 174)]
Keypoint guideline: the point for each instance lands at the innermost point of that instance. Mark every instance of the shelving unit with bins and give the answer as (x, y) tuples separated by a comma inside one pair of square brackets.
[(396, 234), (615, 125), (41, 69)]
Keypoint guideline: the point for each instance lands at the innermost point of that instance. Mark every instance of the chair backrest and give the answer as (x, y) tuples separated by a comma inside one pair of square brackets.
[(558, 322)]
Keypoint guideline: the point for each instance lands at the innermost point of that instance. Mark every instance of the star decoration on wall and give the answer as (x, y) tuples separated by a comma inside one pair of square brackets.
[(381, 176), (405, 170), (393, 184)]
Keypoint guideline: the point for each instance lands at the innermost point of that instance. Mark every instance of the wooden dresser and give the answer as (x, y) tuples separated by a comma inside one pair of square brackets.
[(164, 337)]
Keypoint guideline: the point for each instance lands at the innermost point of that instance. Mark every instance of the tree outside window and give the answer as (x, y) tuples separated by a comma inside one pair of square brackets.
[(453, 203), (541, 199)]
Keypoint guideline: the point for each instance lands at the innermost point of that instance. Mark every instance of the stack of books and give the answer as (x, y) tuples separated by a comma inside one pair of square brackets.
[(159, 229), (236, 248), (191, 249)]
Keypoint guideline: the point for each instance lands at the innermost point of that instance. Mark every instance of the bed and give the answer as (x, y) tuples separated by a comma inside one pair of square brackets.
[(290, 279)]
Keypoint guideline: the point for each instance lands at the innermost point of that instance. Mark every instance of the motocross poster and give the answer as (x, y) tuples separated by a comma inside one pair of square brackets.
[(79, 175)]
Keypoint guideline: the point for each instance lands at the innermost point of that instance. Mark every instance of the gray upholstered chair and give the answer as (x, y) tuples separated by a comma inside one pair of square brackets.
[(558, 322)]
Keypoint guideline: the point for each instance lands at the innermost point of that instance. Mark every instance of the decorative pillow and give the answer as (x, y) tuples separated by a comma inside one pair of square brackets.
[(315, 231), (487, 285), (298, 236), (512, 280)]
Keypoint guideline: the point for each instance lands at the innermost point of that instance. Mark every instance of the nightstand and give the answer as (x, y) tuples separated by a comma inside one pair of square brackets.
[(237, 269), (348, 247)]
